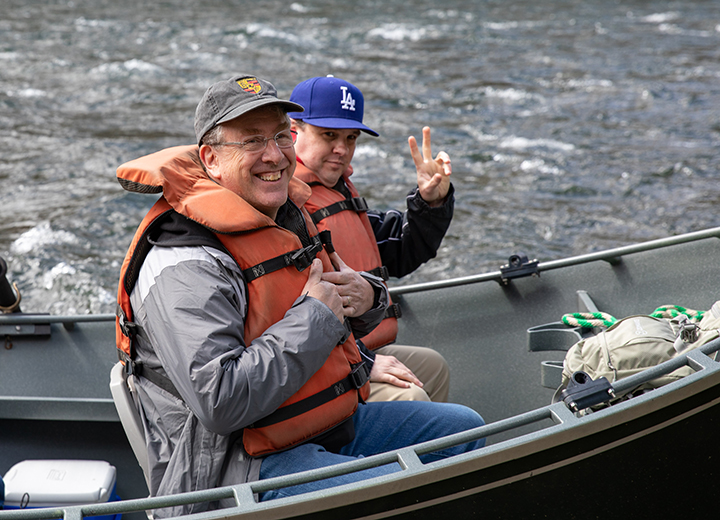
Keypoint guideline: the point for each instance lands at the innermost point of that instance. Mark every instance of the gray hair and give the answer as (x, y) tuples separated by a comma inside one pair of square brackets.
[(215, 134)]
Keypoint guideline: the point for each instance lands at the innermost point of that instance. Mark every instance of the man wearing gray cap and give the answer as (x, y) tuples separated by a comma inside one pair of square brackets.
[(239, 320)]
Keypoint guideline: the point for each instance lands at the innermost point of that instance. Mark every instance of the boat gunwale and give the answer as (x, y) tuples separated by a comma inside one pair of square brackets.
[(608, 255)]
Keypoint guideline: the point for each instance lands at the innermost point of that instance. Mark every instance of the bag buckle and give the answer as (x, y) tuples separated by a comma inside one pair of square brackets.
[(689, 332)]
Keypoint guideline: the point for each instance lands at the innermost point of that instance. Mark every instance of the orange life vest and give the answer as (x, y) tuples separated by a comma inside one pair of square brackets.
[(353, 238), (252, 238)]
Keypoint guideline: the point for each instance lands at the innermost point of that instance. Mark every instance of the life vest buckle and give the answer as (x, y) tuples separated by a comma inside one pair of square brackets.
[(360, 374), (303, 258), (129, 328), (359, 204)]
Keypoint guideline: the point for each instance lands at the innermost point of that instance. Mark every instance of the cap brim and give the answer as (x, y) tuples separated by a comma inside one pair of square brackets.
[(289, 106), (336, 122)]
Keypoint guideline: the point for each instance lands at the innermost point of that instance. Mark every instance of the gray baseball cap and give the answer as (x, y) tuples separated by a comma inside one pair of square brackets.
[(231, 98)]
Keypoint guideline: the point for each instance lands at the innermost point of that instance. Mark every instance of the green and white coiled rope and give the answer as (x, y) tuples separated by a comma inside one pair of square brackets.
[(671, 311), (589, 320)]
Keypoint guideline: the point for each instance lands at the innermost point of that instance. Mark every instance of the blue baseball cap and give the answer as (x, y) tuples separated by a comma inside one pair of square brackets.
[(331, 103)]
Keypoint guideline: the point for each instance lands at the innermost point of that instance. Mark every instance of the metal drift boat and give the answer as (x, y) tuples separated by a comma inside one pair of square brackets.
[(655, 454)]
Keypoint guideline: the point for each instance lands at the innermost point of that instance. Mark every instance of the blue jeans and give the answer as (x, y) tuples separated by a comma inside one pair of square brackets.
[(379, 427)]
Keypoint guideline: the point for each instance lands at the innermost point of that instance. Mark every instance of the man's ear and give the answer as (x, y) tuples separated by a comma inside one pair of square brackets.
[(208, 155)]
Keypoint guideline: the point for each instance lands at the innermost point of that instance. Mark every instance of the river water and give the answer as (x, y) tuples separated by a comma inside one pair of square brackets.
[(573, 125)]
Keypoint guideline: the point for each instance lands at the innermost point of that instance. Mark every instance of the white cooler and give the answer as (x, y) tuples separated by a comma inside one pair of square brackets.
[(57, 483)]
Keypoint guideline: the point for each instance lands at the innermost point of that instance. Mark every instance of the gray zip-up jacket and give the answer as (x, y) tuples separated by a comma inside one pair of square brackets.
[(190, 305)]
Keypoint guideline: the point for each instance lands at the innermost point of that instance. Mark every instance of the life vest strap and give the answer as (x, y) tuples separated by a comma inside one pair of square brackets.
[(300, 258), (129, 328), (381, 272), (138, 369), (393, 311), (326, 239), (359, 375), (356, 204)]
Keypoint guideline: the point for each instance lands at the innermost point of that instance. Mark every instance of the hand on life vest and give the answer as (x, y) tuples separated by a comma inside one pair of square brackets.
[(324, 291), (433, 175), (356, 293), (387, 369)]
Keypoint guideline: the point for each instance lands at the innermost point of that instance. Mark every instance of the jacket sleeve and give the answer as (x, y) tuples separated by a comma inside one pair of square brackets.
[(195, 311), (364, 324), (407, 240)]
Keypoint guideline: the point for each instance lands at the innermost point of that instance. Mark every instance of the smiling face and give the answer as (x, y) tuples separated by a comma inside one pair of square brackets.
[(261, 178), (327, 152)]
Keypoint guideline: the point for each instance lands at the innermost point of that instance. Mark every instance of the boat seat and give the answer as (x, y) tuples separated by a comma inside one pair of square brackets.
[(558, 337), (550, 337), (122, 390)]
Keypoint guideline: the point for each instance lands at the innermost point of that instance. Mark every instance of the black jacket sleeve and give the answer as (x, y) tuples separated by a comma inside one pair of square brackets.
[(408, 240)]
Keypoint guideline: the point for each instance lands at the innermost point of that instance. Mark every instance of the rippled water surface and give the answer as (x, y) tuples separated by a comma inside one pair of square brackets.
[(572, 125)]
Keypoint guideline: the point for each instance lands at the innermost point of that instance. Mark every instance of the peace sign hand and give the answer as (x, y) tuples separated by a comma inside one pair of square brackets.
[(433, 175)]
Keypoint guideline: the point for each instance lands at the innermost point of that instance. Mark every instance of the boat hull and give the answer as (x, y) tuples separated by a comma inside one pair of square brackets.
[(649, 458), (650, 455)]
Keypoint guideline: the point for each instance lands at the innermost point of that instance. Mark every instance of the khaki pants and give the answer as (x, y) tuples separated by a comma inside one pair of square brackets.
[(427, 364)]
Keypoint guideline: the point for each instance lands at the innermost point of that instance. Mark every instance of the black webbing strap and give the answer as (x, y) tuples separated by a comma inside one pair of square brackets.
[(380, 272), (356, 379), (129, 328), (326, 239), (300, 258), (138, 369), (359, 375), (393, 311), (356, 204)]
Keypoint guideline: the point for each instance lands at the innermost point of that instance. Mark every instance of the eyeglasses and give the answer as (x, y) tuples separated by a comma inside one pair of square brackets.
[(257, 143)]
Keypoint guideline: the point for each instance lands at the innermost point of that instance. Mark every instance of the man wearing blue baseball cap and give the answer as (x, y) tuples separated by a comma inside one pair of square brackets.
[(382, 243)]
